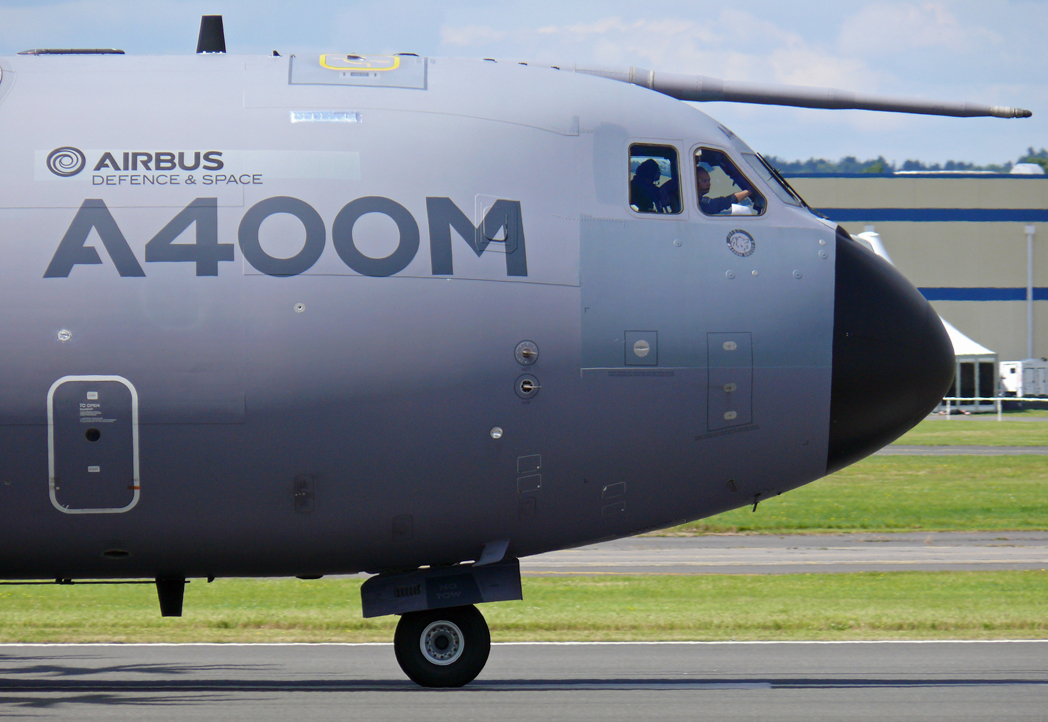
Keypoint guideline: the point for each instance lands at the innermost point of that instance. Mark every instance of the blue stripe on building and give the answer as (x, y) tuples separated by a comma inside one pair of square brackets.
[(982, 294), (937, 215)]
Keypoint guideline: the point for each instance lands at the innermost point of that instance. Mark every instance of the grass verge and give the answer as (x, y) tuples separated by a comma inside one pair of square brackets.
[(979, 431), (899, 493), (899, 605)]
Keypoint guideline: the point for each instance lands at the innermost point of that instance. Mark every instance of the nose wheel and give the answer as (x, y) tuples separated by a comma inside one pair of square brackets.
[(442, 647)]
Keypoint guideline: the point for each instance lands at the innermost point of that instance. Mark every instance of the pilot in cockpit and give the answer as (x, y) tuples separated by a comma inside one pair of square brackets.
[(649, 165), (713, 206), (645, 196)]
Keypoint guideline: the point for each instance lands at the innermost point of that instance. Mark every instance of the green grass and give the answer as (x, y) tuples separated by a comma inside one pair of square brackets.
[(896, 605), (978, 431), (900, 605), (918, 493), (900, 493), (1037, 408)]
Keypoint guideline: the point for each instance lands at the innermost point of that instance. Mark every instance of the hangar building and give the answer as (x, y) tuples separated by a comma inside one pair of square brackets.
[(973, 243)]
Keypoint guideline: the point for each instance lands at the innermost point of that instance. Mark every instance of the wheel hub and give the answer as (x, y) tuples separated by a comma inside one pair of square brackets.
[(442, 643)]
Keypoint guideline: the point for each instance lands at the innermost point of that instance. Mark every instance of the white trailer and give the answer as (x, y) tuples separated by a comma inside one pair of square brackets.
[(1025, 379)]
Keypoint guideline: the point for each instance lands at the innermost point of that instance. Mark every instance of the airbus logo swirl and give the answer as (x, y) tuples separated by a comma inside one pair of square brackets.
[(66, 161)]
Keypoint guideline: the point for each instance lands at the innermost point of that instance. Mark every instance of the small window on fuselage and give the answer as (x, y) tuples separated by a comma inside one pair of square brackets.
[(722, 189), (654, 179)]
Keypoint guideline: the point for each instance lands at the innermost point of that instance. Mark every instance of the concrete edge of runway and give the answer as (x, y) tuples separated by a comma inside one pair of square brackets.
[(525, 644)]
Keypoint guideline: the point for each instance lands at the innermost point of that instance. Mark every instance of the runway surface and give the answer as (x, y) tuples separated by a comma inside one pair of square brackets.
[(722, 681), (796, 554)]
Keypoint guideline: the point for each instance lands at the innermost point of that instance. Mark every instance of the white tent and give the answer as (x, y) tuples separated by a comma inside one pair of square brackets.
[(976, 369)]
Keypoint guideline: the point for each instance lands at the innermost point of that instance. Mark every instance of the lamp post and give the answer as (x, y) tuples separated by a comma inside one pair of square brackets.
[(1030, 231)]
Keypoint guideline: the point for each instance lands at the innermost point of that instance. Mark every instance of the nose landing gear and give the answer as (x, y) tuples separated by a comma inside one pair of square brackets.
[(441, 639), (442, 647)]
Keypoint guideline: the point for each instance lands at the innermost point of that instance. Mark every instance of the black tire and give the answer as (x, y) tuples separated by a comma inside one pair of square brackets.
[(442, 647)]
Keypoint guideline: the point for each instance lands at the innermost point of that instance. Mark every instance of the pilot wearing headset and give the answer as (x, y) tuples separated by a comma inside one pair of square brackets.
[(713, 206)]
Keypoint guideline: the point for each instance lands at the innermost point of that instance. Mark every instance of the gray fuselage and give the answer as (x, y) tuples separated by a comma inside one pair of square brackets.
[(272, 325)]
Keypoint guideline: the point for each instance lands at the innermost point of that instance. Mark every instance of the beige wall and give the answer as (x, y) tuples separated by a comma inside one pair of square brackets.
[(963, 254), (925, 191), (998, 325), (956, 254)]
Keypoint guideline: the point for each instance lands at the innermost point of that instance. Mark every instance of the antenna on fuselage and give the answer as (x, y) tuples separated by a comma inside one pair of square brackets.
[(212, 37)]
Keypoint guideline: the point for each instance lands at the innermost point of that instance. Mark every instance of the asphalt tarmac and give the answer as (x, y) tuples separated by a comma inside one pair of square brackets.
[(798, 554), (676, 681)]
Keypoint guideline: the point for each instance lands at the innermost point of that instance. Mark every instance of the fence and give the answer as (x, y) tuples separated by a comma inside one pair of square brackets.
[(997, 401)]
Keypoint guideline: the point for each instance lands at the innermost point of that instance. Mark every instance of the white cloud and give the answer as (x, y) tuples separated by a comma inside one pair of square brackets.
[(469, 36), (732, 44), (894, 27), (805, 66), (601, 27)]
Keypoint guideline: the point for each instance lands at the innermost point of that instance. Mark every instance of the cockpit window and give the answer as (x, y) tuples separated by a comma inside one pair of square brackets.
[(654, 179), (770, 176), (723, 190)]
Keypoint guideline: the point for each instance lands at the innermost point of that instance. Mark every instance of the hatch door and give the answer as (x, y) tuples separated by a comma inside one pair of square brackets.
[(92, 439)]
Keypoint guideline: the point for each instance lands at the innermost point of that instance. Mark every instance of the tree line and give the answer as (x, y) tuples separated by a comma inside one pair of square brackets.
[(851, 164)]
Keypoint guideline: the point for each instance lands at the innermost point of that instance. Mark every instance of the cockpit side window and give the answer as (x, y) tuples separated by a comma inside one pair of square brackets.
[(723, 189), (654, 179), (772, 177)]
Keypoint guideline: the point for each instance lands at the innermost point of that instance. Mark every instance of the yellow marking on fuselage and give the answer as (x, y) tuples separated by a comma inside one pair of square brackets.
[(357, 62)]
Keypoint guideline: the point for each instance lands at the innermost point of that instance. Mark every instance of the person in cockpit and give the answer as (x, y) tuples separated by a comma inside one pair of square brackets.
[(713, 206), (644, 194)]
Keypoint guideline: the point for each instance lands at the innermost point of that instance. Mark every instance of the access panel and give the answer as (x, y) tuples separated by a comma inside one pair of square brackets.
[(92, 440)]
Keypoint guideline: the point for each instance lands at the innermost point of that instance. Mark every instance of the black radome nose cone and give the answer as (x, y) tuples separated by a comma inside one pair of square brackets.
[(892, 359)]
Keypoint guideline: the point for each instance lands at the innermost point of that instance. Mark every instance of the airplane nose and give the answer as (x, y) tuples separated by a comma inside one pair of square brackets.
[(892, 359)]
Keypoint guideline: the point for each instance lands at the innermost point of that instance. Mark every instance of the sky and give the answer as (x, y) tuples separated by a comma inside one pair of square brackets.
[(973, 50)]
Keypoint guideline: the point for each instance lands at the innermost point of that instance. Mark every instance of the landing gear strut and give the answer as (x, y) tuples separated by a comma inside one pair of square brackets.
[(442, 647)]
